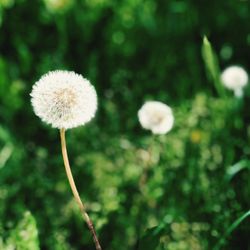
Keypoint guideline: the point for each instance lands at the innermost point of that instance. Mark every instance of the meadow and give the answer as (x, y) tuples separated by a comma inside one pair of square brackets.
[(187, 189)]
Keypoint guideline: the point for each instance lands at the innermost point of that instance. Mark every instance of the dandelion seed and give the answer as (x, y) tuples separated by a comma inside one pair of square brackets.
[(156, 116), (235, 78), (64, 99)]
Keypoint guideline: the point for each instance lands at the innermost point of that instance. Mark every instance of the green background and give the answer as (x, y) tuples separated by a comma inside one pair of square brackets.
[(196, 177)]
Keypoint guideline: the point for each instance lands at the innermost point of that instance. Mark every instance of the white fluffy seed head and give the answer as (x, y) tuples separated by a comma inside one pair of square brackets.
[(64, 99), (234, 78), (156, 116)]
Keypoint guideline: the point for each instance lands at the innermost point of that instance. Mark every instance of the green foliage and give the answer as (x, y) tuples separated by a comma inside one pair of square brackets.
[(24, 236), (231, 229), (182, 190), (150, 240), (212, 65)]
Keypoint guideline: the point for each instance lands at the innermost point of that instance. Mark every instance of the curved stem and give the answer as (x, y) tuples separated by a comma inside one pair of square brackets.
[(74, 190)]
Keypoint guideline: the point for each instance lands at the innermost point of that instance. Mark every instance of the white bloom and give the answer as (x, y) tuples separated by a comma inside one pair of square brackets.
[(156, 116), (64, 99), (235, 78)]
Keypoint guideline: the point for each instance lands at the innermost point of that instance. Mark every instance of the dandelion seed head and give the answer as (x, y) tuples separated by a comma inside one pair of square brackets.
[(64, 99), (156, 116), (235, 78)]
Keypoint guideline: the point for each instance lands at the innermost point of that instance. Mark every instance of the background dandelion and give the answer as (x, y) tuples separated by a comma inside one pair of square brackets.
[(156, 116), (235, 78)]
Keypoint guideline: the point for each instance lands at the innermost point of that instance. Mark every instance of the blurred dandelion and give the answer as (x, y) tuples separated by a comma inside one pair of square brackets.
[(156, 116), (196, 136), (66, 100), (58, 5), (235, 78)]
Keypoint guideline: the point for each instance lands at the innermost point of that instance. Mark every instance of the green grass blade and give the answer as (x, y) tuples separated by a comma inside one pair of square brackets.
[(236, 168), (231, 229), (212, 65)]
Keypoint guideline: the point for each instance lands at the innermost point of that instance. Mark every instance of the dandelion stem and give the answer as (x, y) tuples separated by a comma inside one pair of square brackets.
[(74, 190)]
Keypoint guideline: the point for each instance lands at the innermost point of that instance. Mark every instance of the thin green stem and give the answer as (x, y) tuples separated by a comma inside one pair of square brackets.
[(231, 229)]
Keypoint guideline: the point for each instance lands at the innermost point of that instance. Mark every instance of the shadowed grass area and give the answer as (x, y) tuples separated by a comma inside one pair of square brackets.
[(231, 229)]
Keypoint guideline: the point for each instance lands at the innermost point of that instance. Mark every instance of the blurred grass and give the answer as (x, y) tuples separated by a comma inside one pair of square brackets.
[(131, 51), (231, 229)]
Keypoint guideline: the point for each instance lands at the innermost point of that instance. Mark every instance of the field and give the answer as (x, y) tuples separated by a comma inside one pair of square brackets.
[(187, 189)]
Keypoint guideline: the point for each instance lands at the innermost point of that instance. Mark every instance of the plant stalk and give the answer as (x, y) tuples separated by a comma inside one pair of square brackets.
[(74, 190)]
